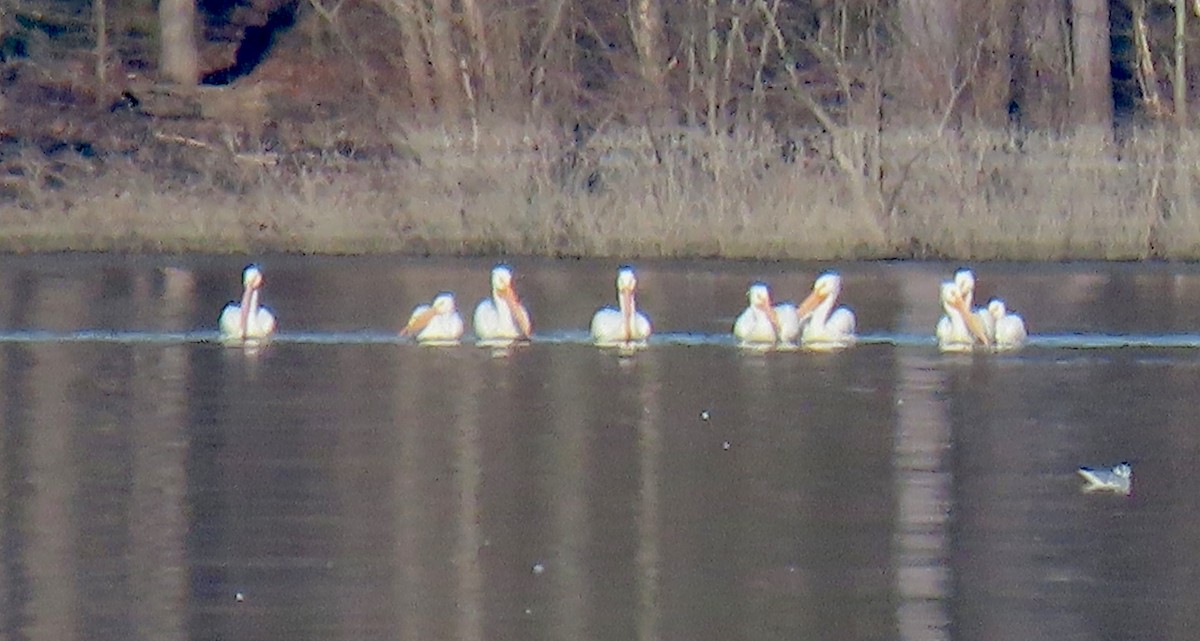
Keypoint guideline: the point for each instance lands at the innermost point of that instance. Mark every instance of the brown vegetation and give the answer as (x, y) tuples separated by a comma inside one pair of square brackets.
[(739, 128)]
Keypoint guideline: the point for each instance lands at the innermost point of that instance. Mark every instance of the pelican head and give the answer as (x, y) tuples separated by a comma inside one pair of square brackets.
[(964, 279), (954, 302), (626, 280), (827, 285), (443, 303), (760, 298), (759, 295), (997, 309), (252, 277), (501, 278)]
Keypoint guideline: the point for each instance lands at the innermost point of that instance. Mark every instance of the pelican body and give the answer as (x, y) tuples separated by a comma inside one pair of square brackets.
[(1119, 479), (1008, 330), (959, 330), (823, 326), (437, 322), (763, 323), (624, 324), (247, 320), (502, 317)]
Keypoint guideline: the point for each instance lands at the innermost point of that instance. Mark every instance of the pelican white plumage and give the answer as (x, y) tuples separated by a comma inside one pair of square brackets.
[(823, 326), (764, 323), (624, 324), (958, 330), (247, 320), (436, 322), (964, 278), (502, 317), (1008, 329)]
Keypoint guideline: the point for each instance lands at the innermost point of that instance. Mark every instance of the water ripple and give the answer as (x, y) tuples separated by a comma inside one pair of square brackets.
[(578, 337)]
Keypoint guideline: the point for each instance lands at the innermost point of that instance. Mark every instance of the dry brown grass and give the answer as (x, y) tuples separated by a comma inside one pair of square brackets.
[(629, 193)]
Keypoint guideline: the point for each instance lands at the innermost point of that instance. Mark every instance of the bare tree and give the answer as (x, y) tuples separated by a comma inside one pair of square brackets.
[(930, 51), (179, 61), (1091, 99), (646, 25)]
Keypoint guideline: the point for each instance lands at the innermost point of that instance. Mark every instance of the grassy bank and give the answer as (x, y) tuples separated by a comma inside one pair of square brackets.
[(633, 193)]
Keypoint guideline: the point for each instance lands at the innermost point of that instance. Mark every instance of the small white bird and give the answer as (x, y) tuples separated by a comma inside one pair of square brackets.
[(247, 320), (437, 322), (764, 323), (823, 326), (1119, 479), (1008, 330), (958, 330), (625, 324), (502, 317)]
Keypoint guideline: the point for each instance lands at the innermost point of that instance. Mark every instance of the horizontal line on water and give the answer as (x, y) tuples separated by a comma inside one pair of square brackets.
[(578, 337)]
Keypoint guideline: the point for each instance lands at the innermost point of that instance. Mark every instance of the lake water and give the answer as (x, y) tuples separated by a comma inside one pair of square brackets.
[(339, 484)]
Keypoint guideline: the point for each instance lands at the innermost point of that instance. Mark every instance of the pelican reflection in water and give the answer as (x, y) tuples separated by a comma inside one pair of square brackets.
[(247, 320), (624, 325), (502, 317), (764, 323), (823, 326), (435, 323)]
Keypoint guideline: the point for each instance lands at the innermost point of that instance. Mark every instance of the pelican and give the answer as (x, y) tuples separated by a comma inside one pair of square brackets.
[(502, 317), (959, 329), (437, 322), (246, 320), (625, 324), (965, 280), (1008, 329), (762, 323), (823, 325), (1119, 479)]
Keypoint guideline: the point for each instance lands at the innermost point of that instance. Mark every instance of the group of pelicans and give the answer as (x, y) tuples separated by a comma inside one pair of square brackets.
[(814, 323)]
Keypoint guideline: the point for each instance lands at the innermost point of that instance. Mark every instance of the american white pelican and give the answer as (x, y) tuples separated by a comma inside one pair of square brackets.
[(437, 322), (763, 323), (824, 326), (247, 320), (959, 329), (965, 280), (502, 317), (624, 324), (1008, 329)]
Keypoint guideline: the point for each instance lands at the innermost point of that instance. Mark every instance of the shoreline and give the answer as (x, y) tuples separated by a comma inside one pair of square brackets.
[(631, 194)]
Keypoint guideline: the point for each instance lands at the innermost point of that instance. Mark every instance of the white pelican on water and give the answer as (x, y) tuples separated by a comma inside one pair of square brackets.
[(625, 324), (959, 329), (247, 320), (1008, 330), (502, 317), (965, 280), (762, 323), (437, 322), (823, 326)]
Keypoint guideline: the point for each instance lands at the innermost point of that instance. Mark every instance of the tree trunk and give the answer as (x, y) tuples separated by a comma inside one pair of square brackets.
[(1041, 74), (179, 62), (445, 63), (927, 81), (1092, 101), (646, 25), (416, 58), (479, 36)]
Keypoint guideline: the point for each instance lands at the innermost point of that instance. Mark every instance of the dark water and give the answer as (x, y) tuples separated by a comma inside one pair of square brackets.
[(348, 486)]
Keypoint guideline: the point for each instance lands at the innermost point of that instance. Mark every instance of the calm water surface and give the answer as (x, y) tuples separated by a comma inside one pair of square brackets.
[(350, 486)]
